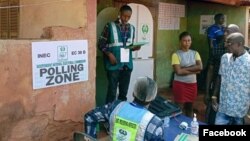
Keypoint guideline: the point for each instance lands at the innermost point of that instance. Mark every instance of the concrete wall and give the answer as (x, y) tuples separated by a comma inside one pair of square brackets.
[(42, 13), (53, 113)]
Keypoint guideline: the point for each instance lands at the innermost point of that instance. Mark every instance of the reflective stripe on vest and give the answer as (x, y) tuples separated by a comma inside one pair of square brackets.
[(126, 125), (116, 39)]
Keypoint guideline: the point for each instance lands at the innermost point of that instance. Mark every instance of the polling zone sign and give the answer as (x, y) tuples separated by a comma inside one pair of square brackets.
[(59, 62)]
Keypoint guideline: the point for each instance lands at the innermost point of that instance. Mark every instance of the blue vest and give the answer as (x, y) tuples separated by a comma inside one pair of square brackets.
[(129, 122), (115, 45)]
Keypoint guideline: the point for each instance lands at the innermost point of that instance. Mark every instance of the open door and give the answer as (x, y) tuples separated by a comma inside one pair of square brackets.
[(143, 59), (103, 17)]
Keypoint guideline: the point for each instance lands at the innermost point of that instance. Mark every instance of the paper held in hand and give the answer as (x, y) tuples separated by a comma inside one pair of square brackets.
[(136, 44)]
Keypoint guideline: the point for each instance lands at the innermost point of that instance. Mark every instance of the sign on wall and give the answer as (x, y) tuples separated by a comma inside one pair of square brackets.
[(206, 21), (169, 16), (59, 62)]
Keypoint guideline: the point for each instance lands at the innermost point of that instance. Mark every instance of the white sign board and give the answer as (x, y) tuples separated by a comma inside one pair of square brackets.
[(169, 16), (206, 21), (59, 62)]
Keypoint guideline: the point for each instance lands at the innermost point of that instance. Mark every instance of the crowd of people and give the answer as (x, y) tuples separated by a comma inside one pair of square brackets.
[(227, 93)]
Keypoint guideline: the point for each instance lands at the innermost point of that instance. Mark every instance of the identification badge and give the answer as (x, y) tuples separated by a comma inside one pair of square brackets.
[(124, 55)]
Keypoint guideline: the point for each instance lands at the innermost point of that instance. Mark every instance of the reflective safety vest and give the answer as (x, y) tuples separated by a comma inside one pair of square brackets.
[(129, 122), (115, 45)]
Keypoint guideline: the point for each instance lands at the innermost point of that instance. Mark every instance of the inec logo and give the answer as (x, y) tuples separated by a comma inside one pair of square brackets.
[(145, 29), (62, 52)]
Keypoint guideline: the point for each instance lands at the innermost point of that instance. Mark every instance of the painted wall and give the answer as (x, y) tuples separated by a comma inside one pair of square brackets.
[(235, 15), (167, 42), (102, 4), (42, 13), (54, 113)]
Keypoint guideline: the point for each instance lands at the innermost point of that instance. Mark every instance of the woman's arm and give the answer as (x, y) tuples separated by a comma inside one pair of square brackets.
[(182, 71), (188, 70), (196, 67)]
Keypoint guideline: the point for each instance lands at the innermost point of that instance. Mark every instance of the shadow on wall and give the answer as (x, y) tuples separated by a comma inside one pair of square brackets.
[(15, 124), (10, 114)]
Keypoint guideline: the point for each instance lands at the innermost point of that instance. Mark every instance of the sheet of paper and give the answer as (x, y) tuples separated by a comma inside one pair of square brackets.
[(139, 43), (136, 44), (186, 137), (124, 55), (169, 16)]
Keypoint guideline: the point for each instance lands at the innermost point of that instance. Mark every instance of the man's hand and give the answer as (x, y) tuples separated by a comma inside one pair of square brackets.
[(112, 58), (247, 120)]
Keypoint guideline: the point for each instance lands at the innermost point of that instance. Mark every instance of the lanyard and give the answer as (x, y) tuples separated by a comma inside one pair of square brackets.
[(124, 32)]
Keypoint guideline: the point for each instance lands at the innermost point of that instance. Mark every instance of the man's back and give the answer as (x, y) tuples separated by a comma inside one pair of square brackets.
[(131, 122)]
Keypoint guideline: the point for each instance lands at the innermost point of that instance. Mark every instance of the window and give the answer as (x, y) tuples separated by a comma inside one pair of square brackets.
[(9, 19)]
